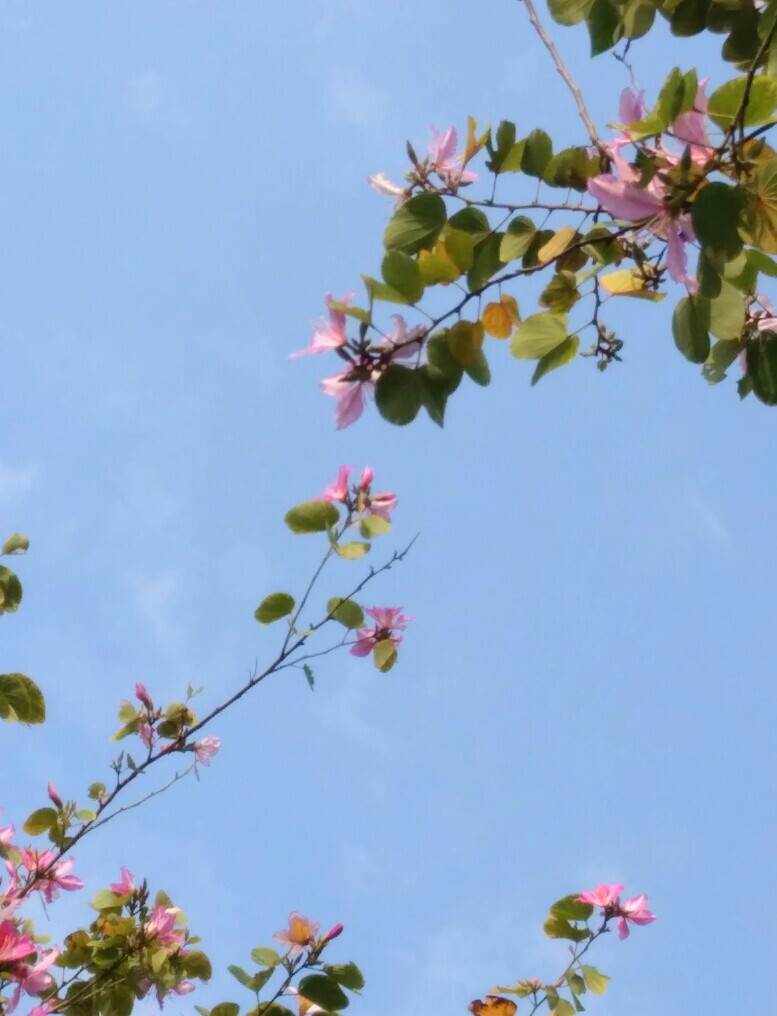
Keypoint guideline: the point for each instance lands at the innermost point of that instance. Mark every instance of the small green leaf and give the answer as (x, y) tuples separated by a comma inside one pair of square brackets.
[(403, 274), (265, 956), (96, 791), (538, 335), (241, 976), (594, 981), (16, 544), (308, 672), (537, 153), (762, 367), (312, 517), (324, 991), (398, 394), (569, 12), (715, 214), (104, 899), (384, 655), (690, 327), (517, 240), (352, 551), (416, 225), (562, 1008), (724, 103), (722, 355), (347, 612), (727, 313), (225, 1009), (557, 927), (21, 700), (347, 974), (571, 908), (472, 221), (274, 607), (485, 262), (196, 964), (10, 591), (374, 525), (40, 821), (604, 24)]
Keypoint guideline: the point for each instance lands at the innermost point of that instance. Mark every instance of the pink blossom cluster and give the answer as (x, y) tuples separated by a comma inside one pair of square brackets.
[(621, 194), (359, 498), (204, 750), (302, 933), (633, 910), (389, 622), (441, 159), (365, 360)]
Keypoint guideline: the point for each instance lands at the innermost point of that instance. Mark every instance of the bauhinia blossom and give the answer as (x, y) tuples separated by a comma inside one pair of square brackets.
[(330, 334), (205, 749), (14, 946), (381, 183), (51, 874), (445, 162), (33, 979), (363, 500), (161, 927), (608, 898), (300, 933), (127, 884), (389, 622)]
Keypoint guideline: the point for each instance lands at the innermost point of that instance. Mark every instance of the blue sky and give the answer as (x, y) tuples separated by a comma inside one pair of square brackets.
[(587, 694)]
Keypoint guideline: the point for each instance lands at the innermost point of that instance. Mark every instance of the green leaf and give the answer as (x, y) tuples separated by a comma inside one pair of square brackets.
[(762, 263), (479, 371), (465, 342), (671, 96), (689, 17), (603, 26), (435, 393), (246, 979), (104, 899), (196, 964), (561, 293), (538, 335), (557, 927), (594, 981), (637, 17), (324, 991), (690, 327), (505, 143), (40, 821), (727, 313), (274, 607), (442, 365), (374, 525), (571, 908), (16, 544), (308, 672), (352, 551), (569, 12), (347, 974), (715, 215), (517, 240), (562, 1008), (312, 517), (347, 612), (725, 101), (398, 394), (537, 153), (460, 247), (380, 291), (384, 655), (722, 355), (10, 591), (21, 700), (416, 225), (225, 1009), (265, 956), (486, 261), (96, 791), (472, 221), (403, 274), (572, 167), (86, 815), (558, 357), (762, 367)]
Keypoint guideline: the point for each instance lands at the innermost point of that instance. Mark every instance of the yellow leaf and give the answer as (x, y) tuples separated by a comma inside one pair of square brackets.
[(496, 321), (474, 143), (510, 304), (629, 282), (557, 244), (493, 1005), (465, 341)]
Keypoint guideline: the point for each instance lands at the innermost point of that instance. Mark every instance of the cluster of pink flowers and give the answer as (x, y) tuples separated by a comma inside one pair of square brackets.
[(441, 159), (359, 497), (619, 193), (608, 898), (302, 933), (389, 622), (366, 360), (204, 750), (29, 871)]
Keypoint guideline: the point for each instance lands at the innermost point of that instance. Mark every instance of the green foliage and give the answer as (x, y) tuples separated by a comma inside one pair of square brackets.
[(352, 551), (538, 335), (716, 214), (21, 700), (10, 591), (403, 274), (323, 990), (265, 956), (416, 225), (347, 974), (558, 357), (16, 544), (594, 981), (762, 367), (399, 394), (347, 612), (725, 103), (571, 908), (274, 607), (312, 517), (40, 821), (690, 327), (384, 655)]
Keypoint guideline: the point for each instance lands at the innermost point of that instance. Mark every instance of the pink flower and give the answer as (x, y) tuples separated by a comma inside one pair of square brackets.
[(161, 926), (51, 875), (691, 127), (146, 735), (403, 343), (54, 797), (34, 980), (127, 884), (338, 491), (332, 933), (389, 621), (300, 933), (14, 946), (142, 695), (634, 910), (445, 162), (632, 106), (205, 749), (6, 834), (328, 334), (349, 389), (379, 503), (602, 896)]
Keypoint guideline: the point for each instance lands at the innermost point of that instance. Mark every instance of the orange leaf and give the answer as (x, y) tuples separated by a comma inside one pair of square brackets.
[(493, 1005)]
